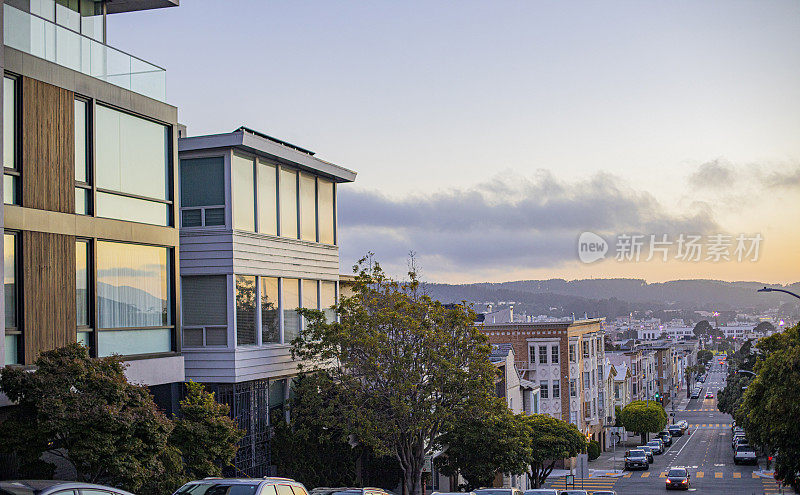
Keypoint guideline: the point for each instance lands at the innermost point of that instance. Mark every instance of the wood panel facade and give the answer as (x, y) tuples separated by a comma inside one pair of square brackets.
[(48, 296), (48, 146)]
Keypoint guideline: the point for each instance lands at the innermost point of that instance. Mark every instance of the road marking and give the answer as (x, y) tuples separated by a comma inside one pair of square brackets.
[(628, 475), (718, 475), (754, 474), (646, 474), (737, 475), (700, 474)]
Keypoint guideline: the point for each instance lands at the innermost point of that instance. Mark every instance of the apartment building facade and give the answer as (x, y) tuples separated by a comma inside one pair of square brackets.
[(566, 360), (258, 240), (90, 214)]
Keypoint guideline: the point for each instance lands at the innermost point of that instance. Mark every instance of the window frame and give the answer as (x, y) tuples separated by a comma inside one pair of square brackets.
[(18, 328), (555, 354), (16, 171), (203, 208), (90, 295), (542, 354), (89, 151)]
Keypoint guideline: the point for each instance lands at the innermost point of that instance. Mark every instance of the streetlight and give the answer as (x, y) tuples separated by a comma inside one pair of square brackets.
[(770, 289)]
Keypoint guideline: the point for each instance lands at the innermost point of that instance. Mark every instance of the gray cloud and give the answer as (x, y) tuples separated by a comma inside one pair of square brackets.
[(788, 178), (716, 174), (503, 223)]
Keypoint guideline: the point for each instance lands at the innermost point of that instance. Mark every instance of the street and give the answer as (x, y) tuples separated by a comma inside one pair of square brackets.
[(706, 453)]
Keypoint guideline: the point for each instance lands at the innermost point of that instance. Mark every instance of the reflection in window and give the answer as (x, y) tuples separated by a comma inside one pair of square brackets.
[(9, 123), (82, 283), (243, 196), (277, 398), (288, 196), (10, 294), (327, 298), (267, 198), (270, 321), (130, 342), (325, 211), (132, 154), (308, 209), (133, 285), (310, 296), (132, 209), (80, 140), (245, 310), (291, 301)]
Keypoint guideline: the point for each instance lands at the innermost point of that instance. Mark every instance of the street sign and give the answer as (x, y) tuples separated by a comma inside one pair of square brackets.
[(570, 479)]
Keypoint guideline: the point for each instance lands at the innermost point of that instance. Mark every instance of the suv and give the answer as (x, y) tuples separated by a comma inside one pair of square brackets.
[(675, 430), (636, 459), (498, 491), (44, 487), (239, 486), (657, 445), (348, 491), (647, 451), (745, 455), (736, 439), (665, 437)]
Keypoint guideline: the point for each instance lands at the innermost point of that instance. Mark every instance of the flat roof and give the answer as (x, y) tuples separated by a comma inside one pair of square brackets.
[(273, 149), (119, 6)]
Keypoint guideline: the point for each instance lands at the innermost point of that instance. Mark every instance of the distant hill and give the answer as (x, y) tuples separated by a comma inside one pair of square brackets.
[(613, 297)]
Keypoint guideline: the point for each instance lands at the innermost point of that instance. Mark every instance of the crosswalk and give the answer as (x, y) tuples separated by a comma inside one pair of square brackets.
[(769, 485), (706, 409), (709, 425), (589, 484), (698, 474)]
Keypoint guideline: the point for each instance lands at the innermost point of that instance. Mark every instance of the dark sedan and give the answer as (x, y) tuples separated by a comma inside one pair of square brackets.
[(48, 487), (678, 479)]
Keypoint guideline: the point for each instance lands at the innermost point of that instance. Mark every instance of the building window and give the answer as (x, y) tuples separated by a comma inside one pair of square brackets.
[(327, 299), (267, 198), (245, 310), (288, 203), (83, 293), (308, 207), (594, 378), (133, 168), (572, 353), (326, 211), (270, 319), (310, 291), (585, 348), (204, 310), (203, 192), (586, 379), (290, 301), (556, 389), (542, 354), (243, 192), (83, 188), (10, 288), (573, 388), (544, 389), (10, 132), (554, 354), (134, 299)]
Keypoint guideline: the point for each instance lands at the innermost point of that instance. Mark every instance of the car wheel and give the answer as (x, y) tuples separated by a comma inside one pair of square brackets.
[(647, 468)]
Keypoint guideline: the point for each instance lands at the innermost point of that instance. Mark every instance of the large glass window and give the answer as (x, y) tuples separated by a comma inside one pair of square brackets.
[(325, 211), (10, 122), (82, 292), (243, 193), (132, 209), (310, 296), (132, 161), (267, 198), (288, 201), (82, 186), (245, 310), (203, 192), (270, 320), (133, 285), (308, 207), (291, 301), (204, 310), (10, 294), (327, 298)]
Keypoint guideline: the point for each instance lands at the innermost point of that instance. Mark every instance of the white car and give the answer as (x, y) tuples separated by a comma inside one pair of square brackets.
[(745, 455)]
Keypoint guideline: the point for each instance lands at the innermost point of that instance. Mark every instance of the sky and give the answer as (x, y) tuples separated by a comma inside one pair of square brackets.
[(489, 135)]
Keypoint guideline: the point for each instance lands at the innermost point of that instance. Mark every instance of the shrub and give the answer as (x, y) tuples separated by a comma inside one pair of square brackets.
[(593, 450)]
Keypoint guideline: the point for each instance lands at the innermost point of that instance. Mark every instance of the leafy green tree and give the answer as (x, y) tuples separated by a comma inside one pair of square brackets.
[(643, 417), (764, 327), (406, 365), (729, 398), (479, 447), (593, 450), (85, 412), (314, 446), (771, 404), (704, 356), (702, 328), (204, 433), (551, 439)]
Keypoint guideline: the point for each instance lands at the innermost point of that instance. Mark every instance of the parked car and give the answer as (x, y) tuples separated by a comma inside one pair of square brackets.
[(657, 446), (604, 492), (498, 491), (241, 486), (742, 442), (745, 454), (736, 438), (540, 491), (675, 430), (696, 393), (348, 491), (678, 479), (738, 430), (665, 437), (48, 487), (648, 452), (574, 492), (636, 459)]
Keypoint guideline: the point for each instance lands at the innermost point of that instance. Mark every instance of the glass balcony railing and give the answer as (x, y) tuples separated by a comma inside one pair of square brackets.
[(45, 39)]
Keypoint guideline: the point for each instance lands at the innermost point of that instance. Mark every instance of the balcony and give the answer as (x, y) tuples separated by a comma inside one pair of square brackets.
[(45, 39)]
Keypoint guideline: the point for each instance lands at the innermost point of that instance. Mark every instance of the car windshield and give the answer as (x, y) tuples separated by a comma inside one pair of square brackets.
[(636, 453), (654, 443), (490, 491), (677, 473), (218, 488)]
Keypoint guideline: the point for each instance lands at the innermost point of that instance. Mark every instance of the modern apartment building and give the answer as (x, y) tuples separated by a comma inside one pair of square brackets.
[(90, 214), (566, 360), (258, 240)]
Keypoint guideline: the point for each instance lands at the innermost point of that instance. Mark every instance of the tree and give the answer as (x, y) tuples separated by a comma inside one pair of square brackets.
[(204, 433), (313, 446), (764, 327), (479, 447), (704, 356), (405, 364), (771, 404), (593, 450), (551, 439), (702, 328), (643, 417), (729, 398), (85, 412)]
